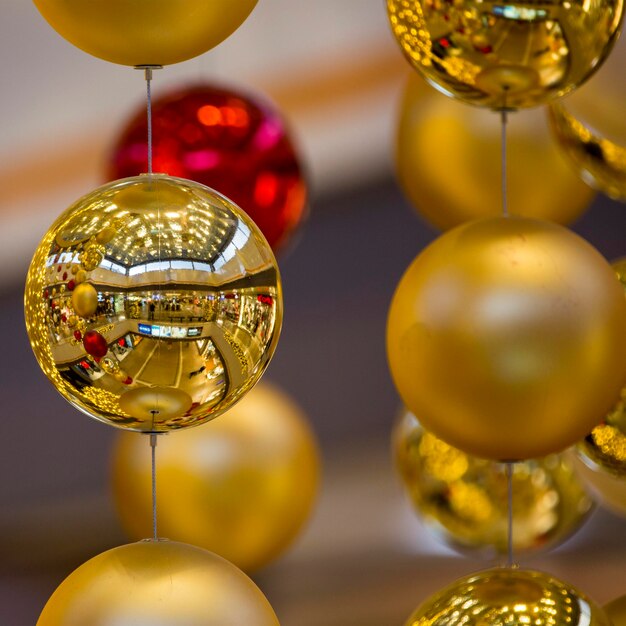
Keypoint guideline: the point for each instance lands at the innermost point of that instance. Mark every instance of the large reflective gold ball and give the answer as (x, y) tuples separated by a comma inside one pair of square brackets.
[(509, 597), (241, 486), (188, 303), (505, 55), (133, 32), (160, 583), (507, 337), (464, 499), (437, 143), (616, 611)]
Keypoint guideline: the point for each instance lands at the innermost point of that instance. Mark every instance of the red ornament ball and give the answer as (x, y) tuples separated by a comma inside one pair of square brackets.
[(95, 344), (227, 140)]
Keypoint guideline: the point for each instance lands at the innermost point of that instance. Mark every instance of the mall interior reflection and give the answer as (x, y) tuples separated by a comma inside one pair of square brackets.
[(160, 303)]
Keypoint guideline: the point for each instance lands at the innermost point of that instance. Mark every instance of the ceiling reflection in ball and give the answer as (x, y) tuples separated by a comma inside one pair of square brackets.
[(188, 303), (505, 55), (464, 498), (509, 597), (231, 141)]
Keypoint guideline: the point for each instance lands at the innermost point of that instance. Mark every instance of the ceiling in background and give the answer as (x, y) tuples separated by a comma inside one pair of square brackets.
[(332, 67)]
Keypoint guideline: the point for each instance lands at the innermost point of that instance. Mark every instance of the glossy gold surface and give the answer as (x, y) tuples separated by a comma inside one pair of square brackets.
[(160, 583), (241, 486), (136, 32), (509, 597), (507, 337), (189, 303), (509, 55), (616, 611), (600, 162), (448, 161), (463, 499)]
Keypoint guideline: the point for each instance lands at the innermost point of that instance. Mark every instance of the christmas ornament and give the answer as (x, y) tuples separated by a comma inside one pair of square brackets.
[(241, 486), (437, 141), (464, 499), (600, 162), (133, 32), (509, 597), (157, 582), (590, 128), (225, 139), (507, 336), (505, 56), (189, 303)]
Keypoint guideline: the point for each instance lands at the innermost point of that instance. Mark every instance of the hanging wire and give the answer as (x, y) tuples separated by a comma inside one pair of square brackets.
[(509, 480), (153, 445), (504, 120), (148, 75)]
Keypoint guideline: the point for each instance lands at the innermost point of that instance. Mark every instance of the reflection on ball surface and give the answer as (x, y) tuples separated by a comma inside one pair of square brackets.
[(464, 499), (157, 582), (188, 307), (131, 32), (513, 55), (506, 336), (509, 597), (241, 486)]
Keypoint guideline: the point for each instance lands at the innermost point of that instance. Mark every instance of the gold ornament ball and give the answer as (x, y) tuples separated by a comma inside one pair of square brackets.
[(464, 500), (190, 304), (437, 141), (85, 300), (157, 582), (590, 128), (507, 336), (132, 32), (616, 611), (505, 56), (241, 486), (509, 597)]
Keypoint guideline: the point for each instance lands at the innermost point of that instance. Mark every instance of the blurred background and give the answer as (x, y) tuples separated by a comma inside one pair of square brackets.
[(336, 73)]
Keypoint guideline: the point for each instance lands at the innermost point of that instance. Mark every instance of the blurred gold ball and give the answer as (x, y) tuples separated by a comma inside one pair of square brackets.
[(184, 296), (157, 582), (508, 56), (616, 611), (509, 597), (464, 499), (590, 126), (242, 486), (507, 337), (598, 161), (130, 33), (437, 143)]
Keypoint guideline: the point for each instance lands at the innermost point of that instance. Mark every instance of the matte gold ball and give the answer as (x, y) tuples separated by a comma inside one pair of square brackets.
[(507, 337), (241, 486), (509, 597), (133, 33), (183, 299), (157, 582), (437, 143), (464, 499), (505, 56)]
